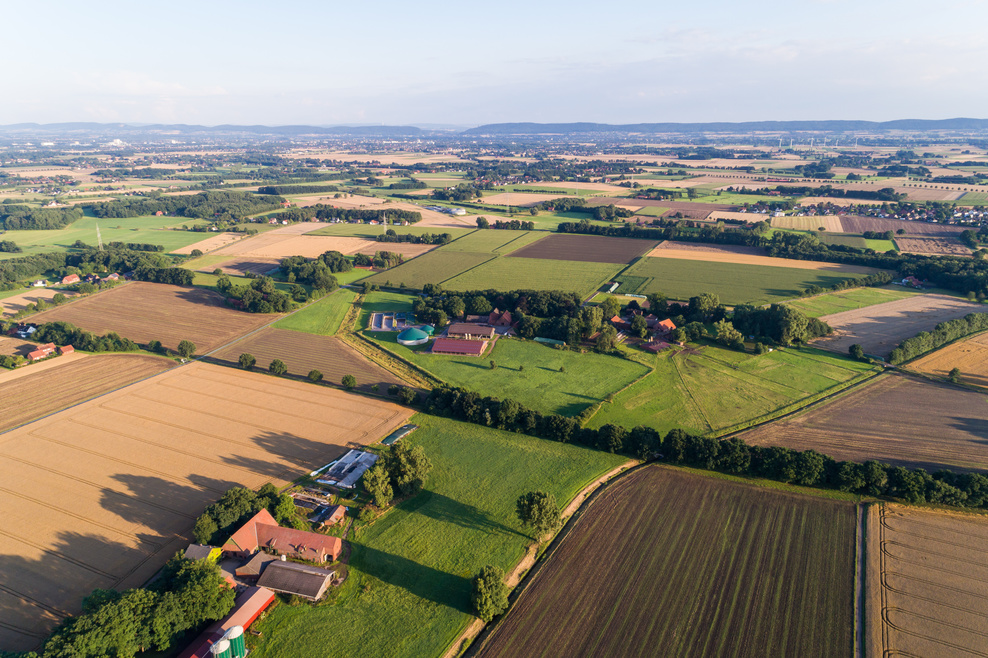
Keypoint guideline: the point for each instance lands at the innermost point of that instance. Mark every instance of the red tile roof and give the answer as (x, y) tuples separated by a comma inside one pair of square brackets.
[(262, 531), (668, 325)]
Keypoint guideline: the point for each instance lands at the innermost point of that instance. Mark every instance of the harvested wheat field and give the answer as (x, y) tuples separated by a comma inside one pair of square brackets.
[(830, 223), (302, 352), (104, 493), (933, 246), (268, 246), (69, 380), (11, 305), (881, 327), (15, 347), (727, 255), (927, 584), (241, 266), (144, 311), (896, 419), (212, 243), (970, 356), (860, 224)]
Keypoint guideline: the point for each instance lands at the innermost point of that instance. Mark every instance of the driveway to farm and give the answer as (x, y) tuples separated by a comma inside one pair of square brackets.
[(880, 328)]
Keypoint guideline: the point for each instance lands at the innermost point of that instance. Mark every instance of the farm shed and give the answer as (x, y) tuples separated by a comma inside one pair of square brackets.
[(253, 567), (201, 552), (499, 318), (347, 469), (469, 331), (665, 327), (66, 349), (298, 579), (70, 279), (399, 434), (413, 336), (327, 515), (248, 607), (460, 347), (262, 531)]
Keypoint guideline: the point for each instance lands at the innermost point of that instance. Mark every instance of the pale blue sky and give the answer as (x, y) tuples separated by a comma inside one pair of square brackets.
[(217, 61)]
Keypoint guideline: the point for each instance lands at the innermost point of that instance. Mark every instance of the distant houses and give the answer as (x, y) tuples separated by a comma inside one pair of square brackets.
[(69, 279)]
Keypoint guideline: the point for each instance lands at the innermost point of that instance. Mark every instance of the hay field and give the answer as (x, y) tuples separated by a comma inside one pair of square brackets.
[(928, 582), (814, 200), (970, 356), (303, 352), (274, 245), (241, 266), (104, 493), (666, 562), (743, 216), (881, 327), (596, 187), (851, 299), (896, 419), (831, 223), (68, 381), (11, 305), (144, 311), (932, 246), (212, 243)]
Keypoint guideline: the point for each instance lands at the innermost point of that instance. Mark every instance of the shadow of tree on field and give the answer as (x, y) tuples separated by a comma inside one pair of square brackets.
[(150, 500), (422, 581), (447, 510)]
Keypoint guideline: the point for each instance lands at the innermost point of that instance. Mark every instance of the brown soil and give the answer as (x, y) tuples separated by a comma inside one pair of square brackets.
[(104, 493), (15, 347), (144, 311), (881, 327), (585, 248), (896, 419), (13, 304), (726, 249)]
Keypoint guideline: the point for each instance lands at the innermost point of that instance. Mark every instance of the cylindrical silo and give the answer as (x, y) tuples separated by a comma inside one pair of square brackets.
[(235, 636), (221, 649)]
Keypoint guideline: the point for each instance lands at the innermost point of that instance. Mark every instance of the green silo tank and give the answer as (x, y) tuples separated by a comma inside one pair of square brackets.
[(221, 649), (235, 636)]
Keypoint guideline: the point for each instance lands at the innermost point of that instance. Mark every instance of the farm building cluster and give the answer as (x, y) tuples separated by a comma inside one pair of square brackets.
[(467, 338)]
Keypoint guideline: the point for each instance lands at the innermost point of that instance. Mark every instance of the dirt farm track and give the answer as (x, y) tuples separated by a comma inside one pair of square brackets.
[(103, 493)]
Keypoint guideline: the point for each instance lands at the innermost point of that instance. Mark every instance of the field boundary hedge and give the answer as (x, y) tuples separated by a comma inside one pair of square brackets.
[(941, 336)]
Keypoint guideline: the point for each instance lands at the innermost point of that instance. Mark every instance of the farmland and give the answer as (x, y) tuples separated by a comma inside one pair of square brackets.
[(849, 300), (512, 273), (103, 493), (744, 256), (860, 224), (278, 244), (35, 393), (494, 241), (588, 248), (152, 311), (830, 223), (970, 356), (924, 605), (371, 232), (14, 303), (528, 372), (322, 317), (697, 566), (934, 246), (410, 571), (303, 352), (895, 419), (718, 388), (881, 327), (435, 267), (734, 283)]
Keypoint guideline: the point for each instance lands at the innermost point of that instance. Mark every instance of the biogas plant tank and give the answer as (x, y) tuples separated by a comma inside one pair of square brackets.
[(221, 649), (235, 636)]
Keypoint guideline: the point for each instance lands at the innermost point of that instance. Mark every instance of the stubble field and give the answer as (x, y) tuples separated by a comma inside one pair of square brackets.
[(14, 303), (695, 566), (103, 494), (932, 246), (928, 589), (144, 311), (895, 419), (970, 356)]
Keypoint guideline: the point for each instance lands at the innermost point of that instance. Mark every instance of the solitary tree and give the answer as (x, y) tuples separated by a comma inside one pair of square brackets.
[(156, 346), (493, 365), (278, 367), (349, 382), (489, 594), (607, 338), (538, 510), (186, 349), (954, 375), (856, 352), (406, 395), (377, 482), (315, 376), (247, 361)]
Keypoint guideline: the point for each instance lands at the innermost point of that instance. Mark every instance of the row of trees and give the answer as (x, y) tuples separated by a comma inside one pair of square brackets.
[(942, 334), (391, 235), (218, 206), (402, 469), (261, 296), (65, 333), (512, 225), (221, 519), (24, 218), (281, 190), (325, 212), (380, 259), (175, 276)]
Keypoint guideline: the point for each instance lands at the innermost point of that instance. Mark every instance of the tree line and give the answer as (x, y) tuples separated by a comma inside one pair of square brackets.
[(65, 333), (326, 212), (943, 333), (280, 190), (219, 206), (426, 238), (24, 218), (237, 505), (512, 225)]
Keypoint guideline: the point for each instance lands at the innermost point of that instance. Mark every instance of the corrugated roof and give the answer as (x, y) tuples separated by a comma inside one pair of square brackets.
[(456, 346), (300, 579), (469, 329)]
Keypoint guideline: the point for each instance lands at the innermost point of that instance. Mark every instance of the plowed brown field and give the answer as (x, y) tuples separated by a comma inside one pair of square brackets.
[(928, 588), (895, 419), (144, 311), (936, 246), (303, 352), (673, 564), (68, 382), (585, 248), (104, 493)]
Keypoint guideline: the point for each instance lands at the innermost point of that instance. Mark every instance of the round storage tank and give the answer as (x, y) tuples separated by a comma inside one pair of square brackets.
[(235, 636), (221, 649)]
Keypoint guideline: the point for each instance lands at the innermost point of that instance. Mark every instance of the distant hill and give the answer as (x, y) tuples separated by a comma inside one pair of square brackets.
[(727, 127), (125, 129)]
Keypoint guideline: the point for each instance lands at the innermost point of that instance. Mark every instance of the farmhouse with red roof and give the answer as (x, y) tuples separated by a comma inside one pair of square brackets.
[(262, 531)]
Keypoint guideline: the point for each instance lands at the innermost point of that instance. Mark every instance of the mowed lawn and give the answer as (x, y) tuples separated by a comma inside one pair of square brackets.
[(671, 563), (321, 317), (512, 273), (153, 230), (719, 388), (734, 283), (409, 585), (848, 300), (527, 372)]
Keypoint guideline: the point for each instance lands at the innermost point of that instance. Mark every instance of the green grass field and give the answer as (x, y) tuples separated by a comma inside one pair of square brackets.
[(974, 199), (407, 593), (588, 378), (535, 274), (154, 230), (321, 317), (383, 302), (494, 241), (432, 267), (734, 283), (848, 300), (651, 211), (667, 562), (719, 388)]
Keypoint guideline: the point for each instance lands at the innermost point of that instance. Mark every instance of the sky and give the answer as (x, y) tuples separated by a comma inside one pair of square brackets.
[(327, 63)]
